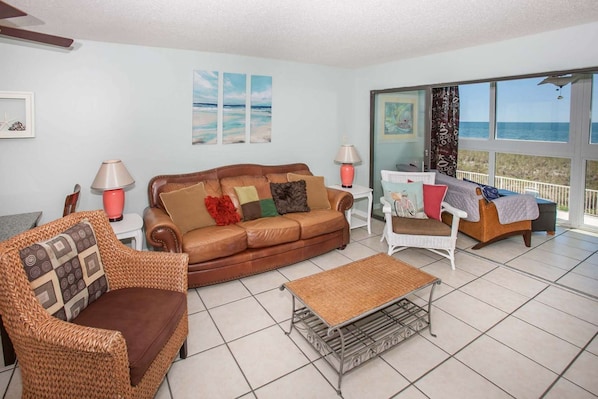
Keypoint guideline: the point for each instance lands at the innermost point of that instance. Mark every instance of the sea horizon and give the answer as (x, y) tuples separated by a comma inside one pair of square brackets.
[(531, 131)]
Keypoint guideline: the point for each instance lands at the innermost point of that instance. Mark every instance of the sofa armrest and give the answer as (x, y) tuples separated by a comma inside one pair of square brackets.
[(161, 232), (339, 199)]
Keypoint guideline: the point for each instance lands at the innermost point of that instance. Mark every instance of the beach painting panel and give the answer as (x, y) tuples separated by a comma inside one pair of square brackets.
[(205, 107), (261, 109), (234, 108)]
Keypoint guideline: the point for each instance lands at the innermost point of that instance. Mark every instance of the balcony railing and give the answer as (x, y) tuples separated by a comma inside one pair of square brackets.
[(553, 192)]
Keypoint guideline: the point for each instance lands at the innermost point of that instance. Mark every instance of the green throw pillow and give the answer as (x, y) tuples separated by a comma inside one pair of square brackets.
[(252, 205)]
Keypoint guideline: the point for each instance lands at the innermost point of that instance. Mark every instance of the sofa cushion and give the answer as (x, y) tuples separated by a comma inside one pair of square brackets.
[(318, 222), (146, 317), (255, 205), (214, 242), (283, 178), (267, 232), (290, 197), (222, 210), (186, 207), (212, 187), (66, 272), (317, 195), (405, 199), (401, 225)]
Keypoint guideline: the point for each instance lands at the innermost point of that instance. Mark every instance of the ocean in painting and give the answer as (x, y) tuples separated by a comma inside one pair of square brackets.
[(233, 124), (261, 124), (205, 123), (534, 131)]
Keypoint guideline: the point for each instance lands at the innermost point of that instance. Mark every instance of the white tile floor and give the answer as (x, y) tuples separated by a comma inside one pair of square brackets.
[(512, 322)]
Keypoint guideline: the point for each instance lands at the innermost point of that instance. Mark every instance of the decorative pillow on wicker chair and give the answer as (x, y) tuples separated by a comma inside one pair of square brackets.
[(290, 197), (186, 207), (254, 205), (222, 210), (317, 195), (433, 196), (405, 199), (66, 272)]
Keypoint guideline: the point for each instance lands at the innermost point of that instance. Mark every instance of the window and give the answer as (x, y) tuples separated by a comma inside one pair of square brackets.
[(529, 110), (474, 100), (594, 120), (473, 165)]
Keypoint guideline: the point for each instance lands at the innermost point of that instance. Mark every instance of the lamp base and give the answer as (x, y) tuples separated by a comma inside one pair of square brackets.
[(114, 203), (347, 174)]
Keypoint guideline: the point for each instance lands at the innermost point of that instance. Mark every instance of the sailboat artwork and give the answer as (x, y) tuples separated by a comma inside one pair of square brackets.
[(398, 118)]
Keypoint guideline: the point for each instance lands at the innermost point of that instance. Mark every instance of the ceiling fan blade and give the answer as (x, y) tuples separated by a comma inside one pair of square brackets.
[(8, 11), (36, 37)]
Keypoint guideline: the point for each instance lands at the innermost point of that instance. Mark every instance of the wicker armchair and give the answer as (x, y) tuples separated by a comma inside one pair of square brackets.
[(431, 234), (60, 359)]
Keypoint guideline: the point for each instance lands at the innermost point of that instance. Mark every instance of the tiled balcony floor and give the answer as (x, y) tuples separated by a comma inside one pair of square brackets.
[(512, 322)]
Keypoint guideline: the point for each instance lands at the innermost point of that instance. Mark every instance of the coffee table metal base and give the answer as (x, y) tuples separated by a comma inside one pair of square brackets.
[(349, 346)]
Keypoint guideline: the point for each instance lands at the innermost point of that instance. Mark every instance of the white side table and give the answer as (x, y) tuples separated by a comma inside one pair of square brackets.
[(356, 217), (129, 227)]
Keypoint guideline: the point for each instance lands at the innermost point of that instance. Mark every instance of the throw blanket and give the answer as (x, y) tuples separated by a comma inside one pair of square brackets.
[(514, 208), (462, 195)]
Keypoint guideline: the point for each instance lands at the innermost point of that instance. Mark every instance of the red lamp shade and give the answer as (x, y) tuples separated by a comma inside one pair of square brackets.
[(347, 155), (112, 178)]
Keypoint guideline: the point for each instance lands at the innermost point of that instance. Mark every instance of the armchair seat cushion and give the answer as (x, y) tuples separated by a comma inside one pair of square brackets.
[(422, 227), (146, 333)]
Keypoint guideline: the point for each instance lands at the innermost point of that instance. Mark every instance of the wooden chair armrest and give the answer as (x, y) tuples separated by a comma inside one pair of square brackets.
[(161, 232)]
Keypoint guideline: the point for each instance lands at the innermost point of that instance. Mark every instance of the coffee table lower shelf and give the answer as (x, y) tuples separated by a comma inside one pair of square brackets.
[(350, 346)]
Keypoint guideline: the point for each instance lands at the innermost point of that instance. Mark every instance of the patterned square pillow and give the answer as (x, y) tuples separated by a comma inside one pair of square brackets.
[(405, 199), (66, 272), (254, 205), (290, 197), (222, 210)]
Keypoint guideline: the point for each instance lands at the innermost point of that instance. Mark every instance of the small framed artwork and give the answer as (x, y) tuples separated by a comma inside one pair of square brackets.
[(397, 118), (16, 115)]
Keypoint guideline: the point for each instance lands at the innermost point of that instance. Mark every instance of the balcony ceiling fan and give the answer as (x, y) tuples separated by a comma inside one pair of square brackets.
[(8, 11)]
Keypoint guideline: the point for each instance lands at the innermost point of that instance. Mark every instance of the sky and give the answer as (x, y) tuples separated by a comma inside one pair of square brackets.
[(521, 100)]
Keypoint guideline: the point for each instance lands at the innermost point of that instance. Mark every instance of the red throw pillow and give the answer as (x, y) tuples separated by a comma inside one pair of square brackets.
[(222, 210), (433, 197)]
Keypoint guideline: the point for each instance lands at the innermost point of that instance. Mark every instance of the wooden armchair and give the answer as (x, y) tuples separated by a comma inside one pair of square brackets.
[(122, 344)]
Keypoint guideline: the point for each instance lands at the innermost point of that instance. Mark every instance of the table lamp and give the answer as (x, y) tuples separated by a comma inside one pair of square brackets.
[(347, 155), (112, 178)]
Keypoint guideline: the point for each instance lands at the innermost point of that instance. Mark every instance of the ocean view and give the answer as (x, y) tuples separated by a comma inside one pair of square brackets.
[(536, 131)]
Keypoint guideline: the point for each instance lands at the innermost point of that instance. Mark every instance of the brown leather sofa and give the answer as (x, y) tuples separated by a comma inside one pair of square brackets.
[(222, 253)]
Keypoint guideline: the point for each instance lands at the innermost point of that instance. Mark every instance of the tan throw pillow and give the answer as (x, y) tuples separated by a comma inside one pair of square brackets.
[(186, 207), (317, 195), (66, 272)]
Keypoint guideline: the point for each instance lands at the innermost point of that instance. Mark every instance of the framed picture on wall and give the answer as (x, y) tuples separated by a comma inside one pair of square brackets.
[(16, 115), (397, 118)]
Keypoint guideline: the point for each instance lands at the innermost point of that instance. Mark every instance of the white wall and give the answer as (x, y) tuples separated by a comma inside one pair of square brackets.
[(104, 101), (564, 49)]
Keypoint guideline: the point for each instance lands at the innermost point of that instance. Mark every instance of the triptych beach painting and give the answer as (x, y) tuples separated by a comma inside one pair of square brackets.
[(220, 104)]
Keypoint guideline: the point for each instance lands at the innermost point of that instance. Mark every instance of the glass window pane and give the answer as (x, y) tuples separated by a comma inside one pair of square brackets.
[(474, 107), (545, 177), (590, 213), (527, 110), (473, 165), (594, 120)]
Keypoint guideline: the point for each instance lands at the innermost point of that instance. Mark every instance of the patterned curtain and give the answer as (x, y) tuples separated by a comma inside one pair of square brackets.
[(445, 130)]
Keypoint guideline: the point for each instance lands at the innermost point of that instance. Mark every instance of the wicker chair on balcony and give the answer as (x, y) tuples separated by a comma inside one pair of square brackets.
[(431, 234), (122, 344)]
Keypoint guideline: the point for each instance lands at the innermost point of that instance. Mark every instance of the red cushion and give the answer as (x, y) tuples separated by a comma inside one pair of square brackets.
[(222, 210), (433, 197)]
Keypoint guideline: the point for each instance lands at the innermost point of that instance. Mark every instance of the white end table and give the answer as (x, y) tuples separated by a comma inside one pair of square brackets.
[(130, 227), (356, 217)]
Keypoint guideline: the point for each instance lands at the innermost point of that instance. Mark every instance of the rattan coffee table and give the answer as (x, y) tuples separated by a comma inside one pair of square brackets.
[(356, 312)]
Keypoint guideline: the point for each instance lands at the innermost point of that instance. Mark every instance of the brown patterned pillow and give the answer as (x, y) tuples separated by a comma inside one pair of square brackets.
[(66, 272), (290, 197)]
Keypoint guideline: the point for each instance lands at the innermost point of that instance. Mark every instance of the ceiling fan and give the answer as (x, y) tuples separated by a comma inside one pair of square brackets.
[(8, 11)]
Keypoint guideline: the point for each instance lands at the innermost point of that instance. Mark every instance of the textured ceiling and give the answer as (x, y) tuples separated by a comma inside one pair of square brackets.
[(341, 33)]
